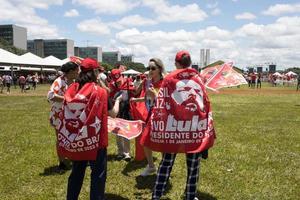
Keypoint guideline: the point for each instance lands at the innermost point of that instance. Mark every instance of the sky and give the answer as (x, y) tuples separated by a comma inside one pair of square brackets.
[(247, 32)]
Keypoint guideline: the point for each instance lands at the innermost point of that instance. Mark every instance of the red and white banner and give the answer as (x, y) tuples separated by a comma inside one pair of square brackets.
[(125, 128), (83, 127), (181, 120), (226, 76)]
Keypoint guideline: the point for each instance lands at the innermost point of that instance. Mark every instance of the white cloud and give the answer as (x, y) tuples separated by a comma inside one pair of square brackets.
[(71, 13), (248, 45), (132, 20), (216, 11), (245, 15), (175, 13), (94, 26), (212, 5), (281, 9), (23, 13), (108, 7)]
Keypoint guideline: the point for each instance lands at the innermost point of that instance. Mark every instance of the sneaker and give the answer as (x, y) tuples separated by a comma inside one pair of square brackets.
[(127, 157), (148, 171)]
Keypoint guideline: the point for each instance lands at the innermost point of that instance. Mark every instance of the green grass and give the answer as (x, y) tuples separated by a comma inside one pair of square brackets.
[(256, 154)]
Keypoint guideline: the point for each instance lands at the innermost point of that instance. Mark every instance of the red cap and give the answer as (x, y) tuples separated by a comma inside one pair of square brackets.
[(180, 54), (88, 64), (116, 75)]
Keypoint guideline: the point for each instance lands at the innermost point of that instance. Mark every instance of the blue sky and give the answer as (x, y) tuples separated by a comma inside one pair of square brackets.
[(247, 32)]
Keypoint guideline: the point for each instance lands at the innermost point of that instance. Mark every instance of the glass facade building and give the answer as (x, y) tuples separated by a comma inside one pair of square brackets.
[(92, 52), (14, 35), (60, 48), (111, 58)]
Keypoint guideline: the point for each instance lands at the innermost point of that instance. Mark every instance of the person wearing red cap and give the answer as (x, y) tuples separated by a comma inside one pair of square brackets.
[(83, 136), (122, 86), (175, 125)]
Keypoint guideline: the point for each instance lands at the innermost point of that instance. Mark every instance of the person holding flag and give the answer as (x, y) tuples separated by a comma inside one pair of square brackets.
[(83, 136), (142, 107), (181, 122), (122, 86)]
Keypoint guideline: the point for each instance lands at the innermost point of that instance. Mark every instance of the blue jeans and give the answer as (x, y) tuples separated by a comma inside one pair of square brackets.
[(98, 177)]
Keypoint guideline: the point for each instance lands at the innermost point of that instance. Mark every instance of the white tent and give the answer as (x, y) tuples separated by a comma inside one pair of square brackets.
[(31, 59), (51, 60), (290, 73), (277, 74), (131, 72), (8, 57)]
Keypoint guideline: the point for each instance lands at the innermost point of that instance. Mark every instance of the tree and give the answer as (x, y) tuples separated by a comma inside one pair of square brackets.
[(6, 46), (140, 67)]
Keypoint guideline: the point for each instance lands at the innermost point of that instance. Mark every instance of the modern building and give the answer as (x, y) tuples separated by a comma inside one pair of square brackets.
[(126, 58), (272, 68), (60, 48), (112, 57), (92, 52), (204, 57), (14, 35)]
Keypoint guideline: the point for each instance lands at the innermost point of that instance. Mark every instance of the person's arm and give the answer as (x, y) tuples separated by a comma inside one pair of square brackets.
[(140, 99), (115, 110), (103, 85), (57, 98), (139, 89)]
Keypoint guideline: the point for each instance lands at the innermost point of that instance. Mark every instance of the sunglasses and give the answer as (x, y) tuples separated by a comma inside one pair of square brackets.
[(151, 68)]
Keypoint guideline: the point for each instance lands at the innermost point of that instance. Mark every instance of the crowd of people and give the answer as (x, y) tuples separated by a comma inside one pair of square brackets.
[(83, 98)]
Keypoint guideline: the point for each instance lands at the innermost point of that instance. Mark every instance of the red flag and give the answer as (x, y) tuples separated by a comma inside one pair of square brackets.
[(76, 59), (181, 120), (208, 72), (84, 122), (122, 68), (225, 77), (125, 128)]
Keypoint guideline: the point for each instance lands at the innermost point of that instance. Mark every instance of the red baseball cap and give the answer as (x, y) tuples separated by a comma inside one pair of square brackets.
[(180, 54), (116, 75), (88, 64)]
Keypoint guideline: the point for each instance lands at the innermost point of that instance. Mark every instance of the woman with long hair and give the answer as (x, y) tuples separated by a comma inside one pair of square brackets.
[(148, 91), (83, 134)]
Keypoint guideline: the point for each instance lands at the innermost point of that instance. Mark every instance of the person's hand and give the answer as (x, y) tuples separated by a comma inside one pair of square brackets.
[(151, 92), (133, 99), (119, 98)]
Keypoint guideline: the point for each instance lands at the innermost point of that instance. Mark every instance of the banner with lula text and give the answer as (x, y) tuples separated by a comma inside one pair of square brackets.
[(181, 120)]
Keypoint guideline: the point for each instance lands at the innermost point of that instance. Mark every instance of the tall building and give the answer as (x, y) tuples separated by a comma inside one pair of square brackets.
[(14, 35), (204, 57), (60, 48), (272, 68), (92, 52), (112, 57), (126, 58), (207, 57)]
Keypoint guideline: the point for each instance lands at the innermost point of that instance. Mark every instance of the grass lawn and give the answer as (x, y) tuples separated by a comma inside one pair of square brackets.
[(256, 154)]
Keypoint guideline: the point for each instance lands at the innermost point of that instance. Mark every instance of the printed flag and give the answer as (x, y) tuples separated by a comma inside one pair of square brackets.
[(125, 128), (181, 120), (83, 122), (226, 76)]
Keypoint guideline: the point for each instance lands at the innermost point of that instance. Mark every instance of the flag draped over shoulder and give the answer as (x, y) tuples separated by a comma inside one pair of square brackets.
[(225, 76), (181, 120), (84, 122)]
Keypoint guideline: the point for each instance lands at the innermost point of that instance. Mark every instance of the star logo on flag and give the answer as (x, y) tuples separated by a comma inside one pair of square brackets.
[(96, 125)]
